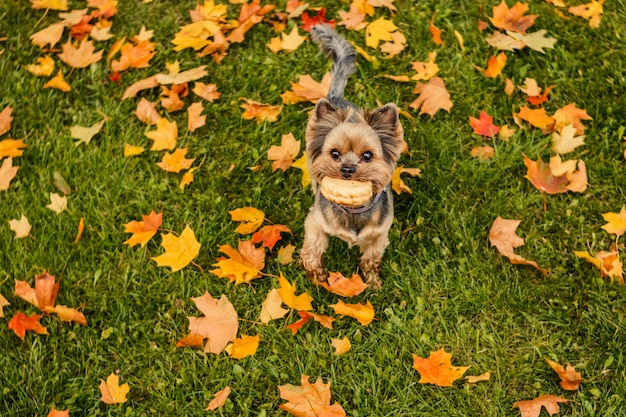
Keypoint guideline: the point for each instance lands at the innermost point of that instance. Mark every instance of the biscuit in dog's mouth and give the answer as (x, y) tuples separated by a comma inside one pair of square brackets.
[(349, 193)]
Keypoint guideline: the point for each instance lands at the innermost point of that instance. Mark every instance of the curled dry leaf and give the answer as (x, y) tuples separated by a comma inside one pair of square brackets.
[(570, 378), (363, 313), (503, 236)]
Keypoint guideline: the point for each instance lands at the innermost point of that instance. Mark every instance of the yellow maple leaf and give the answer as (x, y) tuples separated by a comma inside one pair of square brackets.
[(287, 293), (12, 147), (132, 150), (165, 135), (379, 30), (43, 67), (591, 11), (80, 57), (616, 222), (283, 155), (243, 346), (244, 265), (176, 161), (179, 251), (111, 390), (58, 82), (187, 178), (292, 41), (302, 165), (425, 70), (396, 181), (250, 217), (363, 313), (143, 230)]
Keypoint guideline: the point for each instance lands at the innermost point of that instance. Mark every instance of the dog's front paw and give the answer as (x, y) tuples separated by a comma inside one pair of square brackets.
[(313, 269), (373, 280)]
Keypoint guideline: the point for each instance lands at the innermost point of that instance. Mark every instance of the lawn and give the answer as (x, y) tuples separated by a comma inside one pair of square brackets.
[(444, 286)]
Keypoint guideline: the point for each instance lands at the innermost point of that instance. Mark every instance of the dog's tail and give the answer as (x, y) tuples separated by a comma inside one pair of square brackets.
[(344, 59)]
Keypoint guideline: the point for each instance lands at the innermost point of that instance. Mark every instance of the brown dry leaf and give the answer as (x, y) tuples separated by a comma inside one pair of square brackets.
[(271, 308), (532, 408), (7, 173), (219, 324), (219, 399), (433, 97), (284, 155), (146, 112), (244, 265), (503, 236), (80, 57), (512, 19), (345, 287), (112, 392), (570, 379), (397, 44), (5, 119), (58, 82), (260, 111), (353, 19), (437, 369), (309, 400), (143, 230)]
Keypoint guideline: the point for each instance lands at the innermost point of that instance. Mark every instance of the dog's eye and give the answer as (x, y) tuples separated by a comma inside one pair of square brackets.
[(335, 154), (367, 156)]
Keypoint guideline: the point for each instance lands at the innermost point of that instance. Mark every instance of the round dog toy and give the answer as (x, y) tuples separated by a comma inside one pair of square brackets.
[(346, 192)]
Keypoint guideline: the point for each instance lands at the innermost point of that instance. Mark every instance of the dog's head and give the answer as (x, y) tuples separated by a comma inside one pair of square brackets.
[(345, 143)]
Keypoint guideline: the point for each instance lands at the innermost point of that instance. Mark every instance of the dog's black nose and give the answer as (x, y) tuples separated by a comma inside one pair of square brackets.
[(347, 171)]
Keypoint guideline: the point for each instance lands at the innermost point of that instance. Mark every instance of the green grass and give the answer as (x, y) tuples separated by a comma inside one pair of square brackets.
[(444, 286)]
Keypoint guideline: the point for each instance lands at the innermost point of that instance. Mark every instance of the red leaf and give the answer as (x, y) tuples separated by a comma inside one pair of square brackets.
[(20, 323), (269, 235), (309, 21), (484, 126)]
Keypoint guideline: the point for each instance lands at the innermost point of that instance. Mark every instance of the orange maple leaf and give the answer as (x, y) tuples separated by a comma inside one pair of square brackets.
[(532, 408), (437, 369), (43, 295), (206, 91), (363, 313), (244, 264), (495, 65), (219, 324), (260, 111), (484, 125), (165, 135), (269, 235), (136, 55), (20, 323), (345, 287), (111, 390), (556, 177), (309, 400), (433, 97), (80, 57), (571, 115), (307, 89), (306, 316), (512, 19), (570, 379), (58, 413), (243, 346), (536, 117), (283, 155), (179, 251), (607, 262), (143, 230), (502, 235), (13, 147), (58, 82), (176, 161)]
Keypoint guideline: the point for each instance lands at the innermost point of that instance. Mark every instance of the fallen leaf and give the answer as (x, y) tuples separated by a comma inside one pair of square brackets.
[(20, 324), (309, 21), (512, 19), (309, 400), (566, 141), (302, 165), (3, 303), (219, 324), (341, 345), (182, 77), (85, 134), (179, 251), (616, 222), (570, 379), (206, 91), (43, 295), (143, 230), (49, 35), (7, 173), (243, 347), (397, 44), (536, 117), (435, 33), (284, 256), (111, 390), (250, 218), (59, 83), (187, 179), (363, 313), (591, 11), (437, 369), (504, 42), (49, 4), (502, 235), (80, 57), (132, 150), (607, 262), (269, 235), (58, 413), (260, 111), (21, 227), (285, 42), (271, 308), (145, 84), (532, 408), (146, 112), (570, 115), (495, 65), (58, 203), (433, 97), (425, 70), (535, 41), (43, 67), (482, 152), (5, 120), (244, 264), (219, 399), (165, 135), (379, 30), (345, 287), (287, 293), (396, 181), (484, 125), (194, 118), (353, 19), (471, 379), (67, 314), (306, 316), (284, 155), (176, 161)]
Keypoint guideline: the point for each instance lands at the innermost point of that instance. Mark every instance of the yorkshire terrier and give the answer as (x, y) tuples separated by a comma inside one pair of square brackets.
[(347, 143)]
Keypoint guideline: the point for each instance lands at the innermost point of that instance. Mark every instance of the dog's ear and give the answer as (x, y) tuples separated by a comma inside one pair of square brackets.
[(386, 123), (324, 108)]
